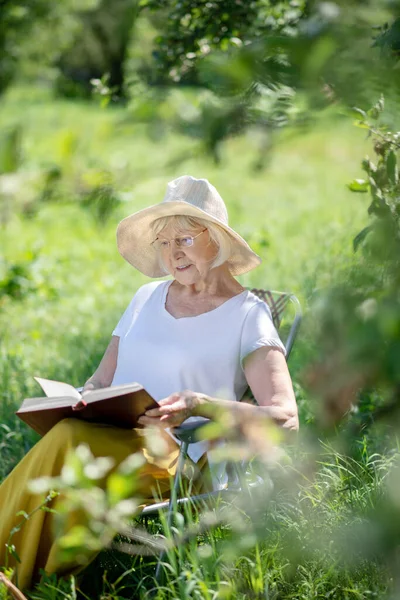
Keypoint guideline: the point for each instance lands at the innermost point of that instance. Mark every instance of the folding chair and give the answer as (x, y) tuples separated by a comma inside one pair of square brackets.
[(286, 315)]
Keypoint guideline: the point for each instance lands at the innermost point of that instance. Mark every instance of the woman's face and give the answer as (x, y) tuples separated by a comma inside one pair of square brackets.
[(191, 264)]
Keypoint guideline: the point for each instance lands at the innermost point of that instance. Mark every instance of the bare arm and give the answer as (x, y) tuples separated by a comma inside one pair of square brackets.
[(268, 377), (104, 373)]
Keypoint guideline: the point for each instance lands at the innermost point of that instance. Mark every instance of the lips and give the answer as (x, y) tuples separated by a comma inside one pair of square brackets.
[(183, 268)]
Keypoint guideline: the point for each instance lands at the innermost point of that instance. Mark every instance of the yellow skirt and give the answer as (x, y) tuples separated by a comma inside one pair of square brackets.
[(35, 543)]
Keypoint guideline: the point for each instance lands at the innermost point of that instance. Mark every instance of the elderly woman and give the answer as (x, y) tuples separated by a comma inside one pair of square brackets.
[(194, 340)]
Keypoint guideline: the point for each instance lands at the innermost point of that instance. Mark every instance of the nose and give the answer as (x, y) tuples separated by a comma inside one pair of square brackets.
[(175, 251)]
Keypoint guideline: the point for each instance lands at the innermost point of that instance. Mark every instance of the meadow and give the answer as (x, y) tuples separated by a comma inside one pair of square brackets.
[(63, 287)]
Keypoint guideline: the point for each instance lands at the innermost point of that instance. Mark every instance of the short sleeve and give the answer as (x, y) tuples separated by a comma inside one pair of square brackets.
[(135, 305), (258, 331), (126, 320)]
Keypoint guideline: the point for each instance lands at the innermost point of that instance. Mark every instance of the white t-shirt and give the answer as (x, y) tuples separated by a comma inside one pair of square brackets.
[(203, 354)]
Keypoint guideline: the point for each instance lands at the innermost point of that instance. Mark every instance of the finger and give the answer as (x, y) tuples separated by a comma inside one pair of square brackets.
[(170, 399), (170, 418), (175, 418), (171, 421), (79, 405), (153, 412), (166, 409), (143, 420)]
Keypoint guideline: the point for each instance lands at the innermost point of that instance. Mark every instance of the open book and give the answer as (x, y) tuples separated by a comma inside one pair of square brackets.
[(120, 405)]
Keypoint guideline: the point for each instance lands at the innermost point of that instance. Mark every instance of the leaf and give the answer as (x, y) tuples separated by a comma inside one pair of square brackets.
[(41, 485), (360, 237), (12, 550), (358, 112), (376, 110), (125, 508), (368, 166), (379, 206), (391, 166), (131, 464), (373, 113), (22, 513), (78, 538), (358, 185), (10, 150), (98, 467), (361, 124), (120, 487), (376, 192)]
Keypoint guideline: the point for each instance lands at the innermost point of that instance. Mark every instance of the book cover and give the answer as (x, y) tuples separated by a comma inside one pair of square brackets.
[(120, 405)]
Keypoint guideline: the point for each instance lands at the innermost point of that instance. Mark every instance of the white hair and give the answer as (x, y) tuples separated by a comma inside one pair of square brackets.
[(183, 224)]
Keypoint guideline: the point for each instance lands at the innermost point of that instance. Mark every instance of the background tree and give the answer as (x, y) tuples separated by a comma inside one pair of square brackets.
[(189, 31), (99, 48), (332, 530), (35, 31), (263, 65)]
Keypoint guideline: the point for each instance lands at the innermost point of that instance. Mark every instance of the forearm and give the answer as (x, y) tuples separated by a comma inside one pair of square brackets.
[(288, 419), (93, 384), (103, 376)]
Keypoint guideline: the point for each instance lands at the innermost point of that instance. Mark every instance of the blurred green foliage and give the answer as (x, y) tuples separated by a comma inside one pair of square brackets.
[(263, 72), (35, 31), (189, 31), (265, 89), (16, 279), (359, 319), (100, 47), (107, 511)]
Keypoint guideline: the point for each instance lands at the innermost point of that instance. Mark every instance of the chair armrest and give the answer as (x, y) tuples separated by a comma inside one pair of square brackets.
[(188, 432)]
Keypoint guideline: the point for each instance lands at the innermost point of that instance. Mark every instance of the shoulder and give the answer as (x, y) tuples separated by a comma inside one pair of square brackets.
[(147, 289), (258, 329), (135, 306), (253, 305), (143, 294)]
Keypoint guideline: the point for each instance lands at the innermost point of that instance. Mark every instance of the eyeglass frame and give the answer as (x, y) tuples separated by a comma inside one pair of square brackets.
[(191, 237)]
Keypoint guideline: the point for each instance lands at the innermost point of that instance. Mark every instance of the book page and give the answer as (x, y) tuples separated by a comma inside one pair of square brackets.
[(111, 392), (57, 388), (34, 404), (119, 406)]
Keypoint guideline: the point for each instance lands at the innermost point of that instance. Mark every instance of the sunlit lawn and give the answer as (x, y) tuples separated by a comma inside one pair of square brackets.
[(297, 213)]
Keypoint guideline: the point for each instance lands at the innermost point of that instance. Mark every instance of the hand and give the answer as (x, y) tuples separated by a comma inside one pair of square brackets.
[(79, 405), (174, 410)]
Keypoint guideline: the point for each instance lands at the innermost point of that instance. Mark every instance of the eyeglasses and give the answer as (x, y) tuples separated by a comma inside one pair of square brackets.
[(180, 242)]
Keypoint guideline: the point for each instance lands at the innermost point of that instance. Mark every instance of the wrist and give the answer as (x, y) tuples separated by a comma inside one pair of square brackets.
[(88, 387), (203, 402)]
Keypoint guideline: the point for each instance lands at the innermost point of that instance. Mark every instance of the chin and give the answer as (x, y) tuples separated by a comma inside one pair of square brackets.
[(186, 278)]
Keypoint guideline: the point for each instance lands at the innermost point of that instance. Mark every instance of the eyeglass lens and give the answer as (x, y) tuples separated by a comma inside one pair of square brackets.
[(180, 242)]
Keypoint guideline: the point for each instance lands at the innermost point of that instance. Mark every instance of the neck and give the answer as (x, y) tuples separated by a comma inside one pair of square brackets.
[(219, 281)]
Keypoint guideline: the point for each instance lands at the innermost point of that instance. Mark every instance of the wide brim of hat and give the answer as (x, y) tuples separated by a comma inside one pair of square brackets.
[(134, 237)]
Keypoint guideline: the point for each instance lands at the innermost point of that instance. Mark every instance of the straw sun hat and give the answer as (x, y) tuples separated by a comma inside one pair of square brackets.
[(187, 196)]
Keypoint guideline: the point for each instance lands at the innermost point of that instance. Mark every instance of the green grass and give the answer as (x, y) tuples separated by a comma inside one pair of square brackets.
[(300, 539), (296, 213)]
